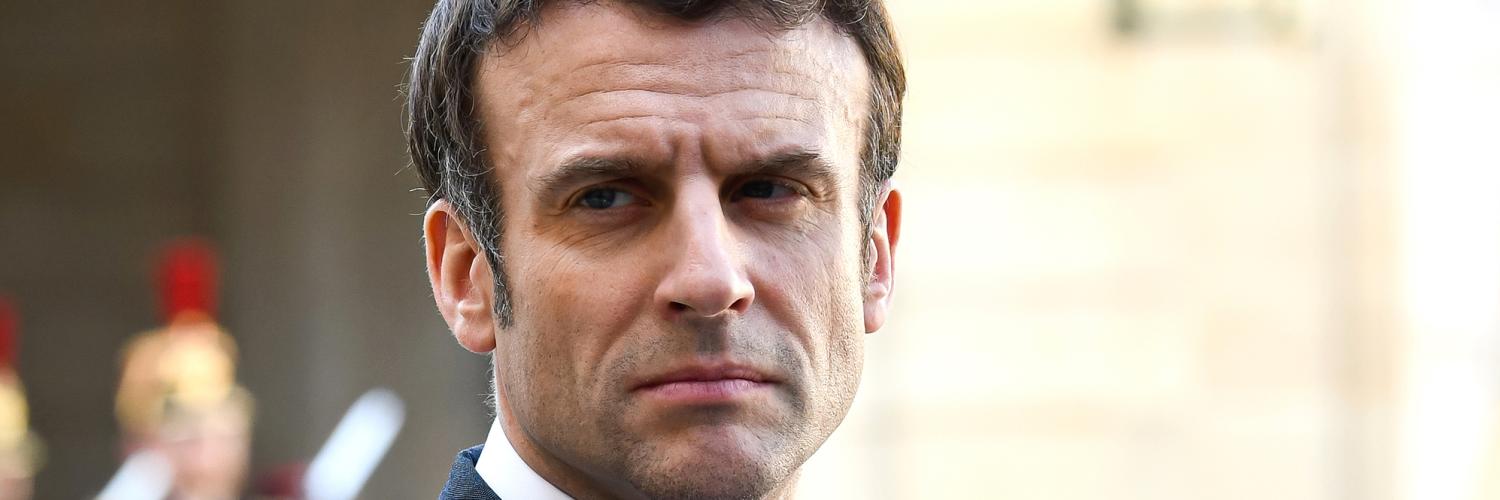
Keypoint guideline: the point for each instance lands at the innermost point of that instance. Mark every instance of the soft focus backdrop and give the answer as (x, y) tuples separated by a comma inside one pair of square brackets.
[(1156, 249)]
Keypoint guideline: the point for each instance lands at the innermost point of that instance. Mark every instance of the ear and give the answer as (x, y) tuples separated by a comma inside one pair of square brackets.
[(462, 284), (885, 231)]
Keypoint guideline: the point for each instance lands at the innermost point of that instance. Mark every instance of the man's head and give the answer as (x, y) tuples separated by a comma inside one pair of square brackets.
[(698, 226)]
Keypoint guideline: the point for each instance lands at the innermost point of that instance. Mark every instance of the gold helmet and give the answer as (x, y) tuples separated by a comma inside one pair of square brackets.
[(20, 451), (187, 367)]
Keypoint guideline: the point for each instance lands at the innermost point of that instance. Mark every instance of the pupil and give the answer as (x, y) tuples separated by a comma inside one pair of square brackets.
[(599, 199), (758, 189)]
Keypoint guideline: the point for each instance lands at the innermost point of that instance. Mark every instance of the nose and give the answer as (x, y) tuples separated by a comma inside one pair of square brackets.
[(706, 276)]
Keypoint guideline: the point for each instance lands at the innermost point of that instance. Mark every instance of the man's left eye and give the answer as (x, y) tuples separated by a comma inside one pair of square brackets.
[(764, 189)]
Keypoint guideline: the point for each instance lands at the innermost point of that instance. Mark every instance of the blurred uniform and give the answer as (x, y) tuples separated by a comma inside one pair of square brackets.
[(178, 395), (20, 451)]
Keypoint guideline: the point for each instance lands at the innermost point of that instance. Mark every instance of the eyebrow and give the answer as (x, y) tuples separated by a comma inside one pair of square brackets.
[(582, 169), (803, 164)]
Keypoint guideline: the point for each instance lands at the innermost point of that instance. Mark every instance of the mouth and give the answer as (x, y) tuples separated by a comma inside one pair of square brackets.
[(705, 383)]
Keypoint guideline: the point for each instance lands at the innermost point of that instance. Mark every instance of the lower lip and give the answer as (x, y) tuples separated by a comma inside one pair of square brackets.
[(705, 391)]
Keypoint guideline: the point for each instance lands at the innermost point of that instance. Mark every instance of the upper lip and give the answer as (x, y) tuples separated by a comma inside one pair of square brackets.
[(706, 372)]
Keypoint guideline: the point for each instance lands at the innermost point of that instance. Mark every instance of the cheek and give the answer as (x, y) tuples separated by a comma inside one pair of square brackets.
[(814, 290), (812, 284), (570, 311)]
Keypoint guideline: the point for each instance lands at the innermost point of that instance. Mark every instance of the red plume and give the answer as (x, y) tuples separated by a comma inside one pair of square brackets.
[(8, 340), (188, 278)]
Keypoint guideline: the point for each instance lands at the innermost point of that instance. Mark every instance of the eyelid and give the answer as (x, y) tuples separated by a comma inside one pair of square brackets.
[(796, 187), (574, 200)]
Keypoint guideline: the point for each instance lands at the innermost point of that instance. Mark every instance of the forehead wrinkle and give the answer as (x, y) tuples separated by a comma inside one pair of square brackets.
[(684, 52), (536, 86), (665, 55), (609, 120), (687, 93), (678, 64), (604, 102), (696, 79)]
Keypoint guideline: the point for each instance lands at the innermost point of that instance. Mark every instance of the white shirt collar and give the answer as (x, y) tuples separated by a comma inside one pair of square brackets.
[(509, 476)]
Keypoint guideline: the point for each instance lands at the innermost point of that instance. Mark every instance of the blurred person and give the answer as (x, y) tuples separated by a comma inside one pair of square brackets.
[(670, 224), (20, 450), (178, 396)]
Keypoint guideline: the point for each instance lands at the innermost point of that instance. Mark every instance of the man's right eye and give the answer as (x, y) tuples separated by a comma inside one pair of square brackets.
[(605, 198)]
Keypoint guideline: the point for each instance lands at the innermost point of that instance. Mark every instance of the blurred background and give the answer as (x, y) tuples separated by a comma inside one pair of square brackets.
[(1156, 249)]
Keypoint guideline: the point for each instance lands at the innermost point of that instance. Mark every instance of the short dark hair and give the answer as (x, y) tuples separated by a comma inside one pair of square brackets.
[(443, 134)]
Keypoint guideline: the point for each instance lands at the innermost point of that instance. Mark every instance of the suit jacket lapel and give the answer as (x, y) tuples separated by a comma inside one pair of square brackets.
[(464, 482)]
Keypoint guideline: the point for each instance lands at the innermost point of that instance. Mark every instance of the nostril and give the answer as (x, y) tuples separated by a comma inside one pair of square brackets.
[(740, 305), (679, 307)]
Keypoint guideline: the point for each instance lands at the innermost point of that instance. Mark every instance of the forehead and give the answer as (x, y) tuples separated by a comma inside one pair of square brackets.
[(608, 79)]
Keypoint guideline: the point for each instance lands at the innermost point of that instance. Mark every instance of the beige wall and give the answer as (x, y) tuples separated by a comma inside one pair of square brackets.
[(1149, 267)]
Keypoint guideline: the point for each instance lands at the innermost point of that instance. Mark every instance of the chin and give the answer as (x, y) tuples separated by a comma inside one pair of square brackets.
[(714, 462), (716, 483)]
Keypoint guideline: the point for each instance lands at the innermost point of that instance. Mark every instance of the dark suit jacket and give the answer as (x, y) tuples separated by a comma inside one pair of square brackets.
[(464, 482)]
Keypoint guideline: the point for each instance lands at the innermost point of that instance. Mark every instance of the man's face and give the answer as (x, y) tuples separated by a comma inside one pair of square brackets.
[(209, 451), (683, 247)]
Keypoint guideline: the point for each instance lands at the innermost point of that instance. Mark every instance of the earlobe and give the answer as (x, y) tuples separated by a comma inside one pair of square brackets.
[(460, 277), (885, 232)]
